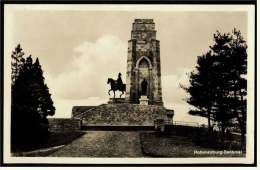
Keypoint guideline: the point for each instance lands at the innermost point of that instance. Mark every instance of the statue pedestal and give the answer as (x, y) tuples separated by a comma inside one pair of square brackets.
[(143, 100), (116, 100)]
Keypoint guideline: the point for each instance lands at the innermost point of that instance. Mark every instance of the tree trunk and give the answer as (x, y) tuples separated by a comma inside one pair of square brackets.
[(241, 121), (241, 129), (243, 124), (243, 137), (222, 134), (209, 123)]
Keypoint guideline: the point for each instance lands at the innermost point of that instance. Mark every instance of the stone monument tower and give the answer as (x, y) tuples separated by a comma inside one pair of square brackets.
[(143, 86), (143, 76)]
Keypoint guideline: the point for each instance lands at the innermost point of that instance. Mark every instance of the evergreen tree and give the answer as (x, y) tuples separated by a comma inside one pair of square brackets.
[(238, 81), (16, 62), (201, 88), (31, 104), (219, 82), (221, 53), (44, 103)]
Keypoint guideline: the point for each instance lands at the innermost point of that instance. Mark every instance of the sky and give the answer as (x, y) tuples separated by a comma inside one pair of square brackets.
[(80, 49)]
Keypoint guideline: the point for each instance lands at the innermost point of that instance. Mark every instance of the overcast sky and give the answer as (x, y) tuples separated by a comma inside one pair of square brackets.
[(80, 49)]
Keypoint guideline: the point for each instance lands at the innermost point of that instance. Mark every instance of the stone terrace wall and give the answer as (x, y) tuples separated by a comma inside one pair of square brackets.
[(120, 115), (62, 125)]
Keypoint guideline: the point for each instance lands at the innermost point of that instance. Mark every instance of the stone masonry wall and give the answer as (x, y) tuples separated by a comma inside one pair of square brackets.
[(62, 125), (121, 115)]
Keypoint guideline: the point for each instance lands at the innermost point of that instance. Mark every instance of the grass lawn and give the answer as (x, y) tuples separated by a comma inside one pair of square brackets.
[(55, 139), (172, 145)]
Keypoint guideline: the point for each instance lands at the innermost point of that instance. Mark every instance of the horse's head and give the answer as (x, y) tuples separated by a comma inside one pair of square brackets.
[(109, 80)]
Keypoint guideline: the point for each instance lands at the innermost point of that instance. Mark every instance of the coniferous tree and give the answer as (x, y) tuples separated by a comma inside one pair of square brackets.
[(222, 66), (44, 103), (16, 62), (238, 80), (201, 88), (31, 104), (231, 58), (225, 85)]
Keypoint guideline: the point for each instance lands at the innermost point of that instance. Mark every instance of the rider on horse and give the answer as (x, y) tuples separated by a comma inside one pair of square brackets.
[(116, 85), (119, 80)]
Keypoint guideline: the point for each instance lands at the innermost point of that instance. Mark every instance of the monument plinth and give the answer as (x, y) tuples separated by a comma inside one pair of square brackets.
[(116, 100)]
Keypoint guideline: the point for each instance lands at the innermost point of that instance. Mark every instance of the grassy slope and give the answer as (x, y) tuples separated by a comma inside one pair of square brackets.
[(172, 145)]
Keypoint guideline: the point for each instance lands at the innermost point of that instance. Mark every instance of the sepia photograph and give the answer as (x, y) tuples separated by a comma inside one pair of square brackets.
[(129, 84)]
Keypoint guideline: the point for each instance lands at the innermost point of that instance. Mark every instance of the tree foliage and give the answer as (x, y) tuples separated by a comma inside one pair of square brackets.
[(218, 84), (200, 90), (31, 101)]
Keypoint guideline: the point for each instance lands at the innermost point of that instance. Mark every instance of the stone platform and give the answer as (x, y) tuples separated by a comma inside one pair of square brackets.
[(120, 114), (116, 100)]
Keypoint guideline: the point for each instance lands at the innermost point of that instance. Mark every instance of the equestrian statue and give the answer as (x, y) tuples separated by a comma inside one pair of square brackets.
[(116, 85)]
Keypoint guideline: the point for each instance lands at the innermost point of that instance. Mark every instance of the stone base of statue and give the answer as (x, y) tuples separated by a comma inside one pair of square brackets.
[(116, 100), (143, 100)]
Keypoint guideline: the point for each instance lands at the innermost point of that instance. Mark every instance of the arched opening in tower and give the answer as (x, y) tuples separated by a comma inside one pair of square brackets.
[(144, 78)]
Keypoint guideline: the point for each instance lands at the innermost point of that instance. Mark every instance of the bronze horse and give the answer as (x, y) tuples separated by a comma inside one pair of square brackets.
[(115, 86)]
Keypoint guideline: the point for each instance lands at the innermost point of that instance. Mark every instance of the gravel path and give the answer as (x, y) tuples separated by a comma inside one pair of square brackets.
[(103, 144)]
